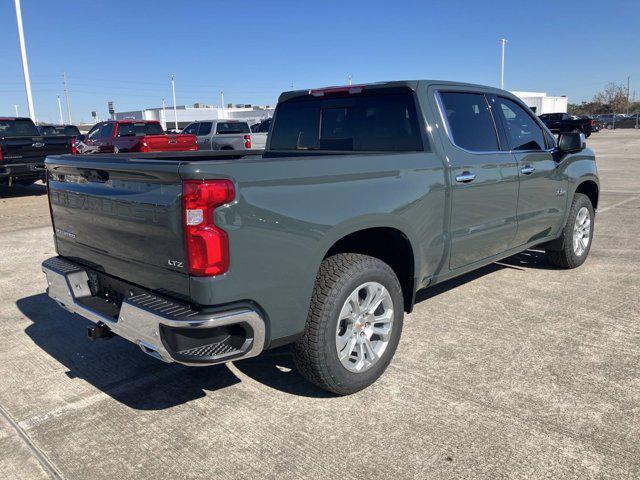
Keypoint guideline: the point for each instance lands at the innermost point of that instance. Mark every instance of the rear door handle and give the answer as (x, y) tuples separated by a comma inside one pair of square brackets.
[(527, 169), (465, 177)]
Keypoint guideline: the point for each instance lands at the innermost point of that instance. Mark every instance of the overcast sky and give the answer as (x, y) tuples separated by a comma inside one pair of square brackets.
[(125, 51)]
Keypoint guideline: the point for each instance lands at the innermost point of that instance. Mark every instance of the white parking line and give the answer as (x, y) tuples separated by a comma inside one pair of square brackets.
[(600, 210)]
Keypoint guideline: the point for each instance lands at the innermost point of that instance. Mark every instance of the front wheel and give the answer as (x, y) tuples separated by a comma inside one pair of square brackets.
[(354, 324), (572, 248)]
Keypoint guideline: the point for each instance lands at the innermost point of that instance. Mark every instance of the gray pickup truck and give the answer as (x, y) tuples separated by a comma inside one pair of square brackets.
[(364, 195), (225, 135)]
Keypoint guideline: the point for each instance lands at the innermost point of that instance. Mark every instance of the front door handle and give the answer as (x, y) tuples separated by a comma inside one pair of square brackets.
[(465, 177), (527, 169)]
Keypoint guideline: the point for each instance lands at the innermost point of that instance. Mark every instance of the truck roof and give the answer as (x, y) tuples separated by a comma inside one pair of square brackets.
[(411, 84)]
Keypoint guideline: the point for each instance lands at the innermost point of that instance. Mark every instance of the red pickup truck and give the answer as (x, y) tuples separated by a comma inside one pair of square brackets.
[(133, 136)]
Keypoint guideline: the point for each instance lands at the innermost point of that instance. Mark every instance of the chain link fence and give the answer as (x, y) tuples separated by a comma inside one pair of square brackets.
[(612, 121)]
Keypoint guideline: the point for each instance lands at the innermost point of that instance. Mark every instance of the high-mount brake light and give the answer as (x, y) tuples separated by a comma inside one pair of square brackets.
[(247, 142), (207, 245), (350, 89)]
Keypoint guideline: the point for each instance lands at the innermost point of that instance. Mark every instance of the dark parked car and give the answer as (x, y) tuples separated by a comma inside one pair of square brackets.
[(363, 195), (564, 123), (54, 130), (23, 150)]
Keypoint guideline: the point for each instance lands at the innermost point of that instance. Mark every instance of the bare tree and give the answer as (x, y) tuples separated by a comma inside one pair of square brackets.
[(613, 98)]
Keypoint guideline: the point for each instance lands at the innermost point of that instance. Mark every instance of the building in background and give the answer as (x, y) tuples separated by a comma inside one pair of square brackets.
[(251, 113), (541, 103)]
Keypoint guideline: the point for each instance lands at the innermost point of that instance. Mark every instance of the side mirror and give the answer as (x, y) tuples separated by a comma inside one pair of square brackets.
[(572, 142)]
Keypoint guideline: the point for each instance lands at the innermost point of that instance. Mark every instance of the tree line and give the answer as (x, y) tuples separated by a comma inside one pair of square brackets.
[(612, 99)]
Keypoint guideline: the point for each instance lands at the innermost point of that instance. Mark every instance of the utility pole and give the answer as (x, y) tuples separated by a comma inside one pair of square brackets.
[(503, 42), (25, 65), (175, 109), (16, 107), (349, 77), (164, 115), (628, 84), (66, 96), (60, 110)]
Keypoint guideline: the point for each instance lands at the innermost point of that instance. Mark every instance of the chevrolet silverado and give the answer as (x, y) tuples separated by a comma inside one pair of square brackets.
[(23, 150), (363, 195)]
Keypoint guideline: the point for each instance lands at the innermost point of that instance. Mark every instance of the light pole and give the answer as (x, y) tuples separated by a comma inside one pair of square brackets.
[(25, 65), (16, 107), (628, 81), (350, 77), (503, 41), (164, 115), (175, 110), (222, 100), (60, 110), (66, 96)]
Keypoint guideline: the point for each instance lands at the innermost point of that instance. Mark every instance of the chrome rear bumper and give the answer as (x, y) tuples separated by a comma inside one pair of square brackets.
[(147, 319)]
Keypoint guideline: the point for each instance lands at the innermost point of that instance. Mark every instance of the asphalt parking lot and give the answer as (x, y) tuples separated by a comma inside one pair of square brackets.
[(518, 370)]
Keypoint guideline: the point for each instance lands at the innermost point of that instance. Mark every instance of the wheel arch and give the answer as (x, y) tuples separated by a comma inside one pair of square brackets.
[(387, 243), (591, 189)]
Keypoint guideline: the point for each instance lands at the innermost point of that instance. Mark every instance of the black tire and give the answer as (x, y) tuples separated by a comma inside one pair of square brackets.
[(561, 253), (315, 353)]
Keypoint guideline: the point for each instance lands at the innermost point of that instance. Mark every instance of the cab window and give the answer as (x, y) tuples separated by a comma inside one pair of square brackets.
[(191, 129), (205, 128), (94, 133), (523, 132), (470, 123)]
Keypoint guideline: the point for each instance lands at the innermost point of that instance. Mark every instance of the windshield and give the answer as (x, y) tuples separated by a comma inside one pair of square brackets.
[(17, 128), (374, 122)]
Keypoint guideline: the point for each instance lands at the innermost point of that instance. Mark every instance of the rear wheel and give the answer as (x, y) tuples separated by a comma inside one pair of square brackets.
[(572, 248), (354, 324)]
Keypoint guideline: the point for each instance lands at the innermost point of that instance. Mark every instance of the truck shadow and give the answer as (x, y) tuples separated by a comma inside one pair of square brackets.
[(17, 191), (529, 259), (120, 369)]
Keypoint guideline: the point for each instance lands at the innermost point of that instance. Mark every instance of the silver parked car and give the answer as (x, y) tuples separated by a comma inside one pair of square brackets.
[(222, 135)]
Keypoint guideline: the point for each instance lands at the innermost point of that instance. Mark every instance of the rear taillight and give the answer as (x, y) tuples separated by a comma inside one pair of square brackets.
[(207, 245), (592, 122), (144, 146), (247, 142), (74, 150), (0, 153)]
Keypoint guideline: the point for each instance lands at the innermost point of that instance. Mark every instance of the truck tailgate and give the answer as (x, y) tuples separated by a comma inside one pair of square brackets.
[(121, 216), (170, 143)]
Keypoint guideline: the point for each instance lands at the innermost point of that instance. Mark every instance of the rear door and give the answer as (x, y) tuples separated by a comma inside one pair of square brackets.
[(542, 196), (483, 178), (204, 135)]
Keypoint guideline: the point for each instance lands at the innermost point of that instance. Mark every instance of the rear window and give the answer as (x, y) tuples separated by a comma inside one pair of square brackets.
[(374, 122), (68, 130), (233, 127), (17, 128), (139, 129)]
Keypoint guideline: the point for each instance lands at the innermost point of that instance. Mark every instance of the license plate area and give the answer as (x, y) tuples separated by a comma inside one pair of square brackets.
[(107, 294)]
